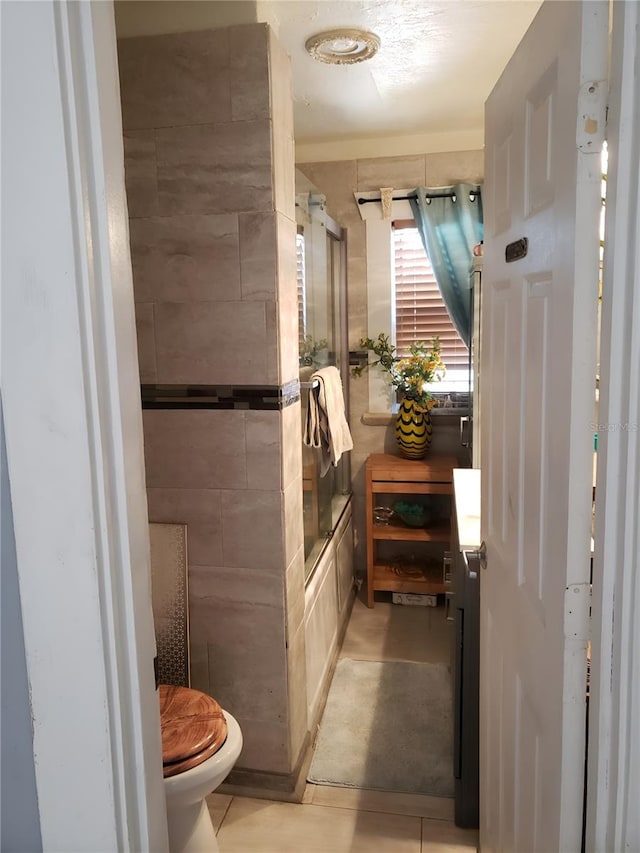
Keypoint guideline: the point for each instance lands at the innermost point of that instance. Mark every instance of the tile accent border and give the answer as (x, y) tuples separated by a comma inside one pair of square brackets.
[(260, 397)]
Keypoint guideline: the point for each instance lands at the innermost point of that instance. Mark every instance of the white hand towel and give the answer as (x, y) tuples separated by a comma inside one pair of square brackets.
[(326, 425)]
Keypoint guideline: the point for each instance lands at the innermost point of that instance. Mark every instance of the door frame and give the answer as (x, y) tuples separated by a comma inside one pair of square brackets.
[(73, 420), (613, 819)]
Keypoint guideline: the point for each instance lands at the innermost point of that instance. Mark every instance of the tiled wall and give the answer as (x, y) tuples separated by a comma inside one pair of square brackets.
[(338, 181), (210, 180)]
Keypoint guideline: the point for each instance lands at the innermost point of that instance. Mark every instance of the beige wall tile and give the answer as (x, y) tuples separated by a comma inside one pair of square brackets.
[(297, 692), (186, 258), (358, 471), (294, 593), (272, 363), (198, 659), (194, 449), (249, 72), (371, 439), (141, 173), (359, 390), (200, 510), (145, 331), (357, 240), (291, 443), (239, 613), (286, 231), (177, 79), (288, 347), (283, 172), (252, 530), (281, 91), (397, 172), (358, 329), (258, 269), (266, 747), (338, 181), (251, 588), (287, 300), (237, 616), (212, 343), (292, 512), (218, 168), (282, 127), (220, 288), (357, 282), (264, 449), (452, 168)]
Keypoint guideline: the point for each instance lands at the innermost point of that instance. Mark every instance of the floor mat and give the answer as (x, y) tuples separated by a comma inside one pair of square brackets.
[(387, 726)]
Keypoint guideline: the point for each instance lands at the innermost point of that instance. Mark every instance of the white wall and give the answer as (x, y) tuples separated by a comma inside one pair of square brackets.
[(388, 146)]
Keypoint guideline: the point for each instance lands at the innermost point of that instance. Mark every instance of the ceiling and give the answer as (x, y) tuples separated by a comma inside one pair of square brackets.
[(424, 90), (436, 65)]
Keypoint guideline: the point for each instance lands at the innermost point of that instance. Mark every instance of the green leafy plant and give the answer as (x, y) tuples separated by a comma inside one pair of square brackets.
[(407, 374), (310, 349)]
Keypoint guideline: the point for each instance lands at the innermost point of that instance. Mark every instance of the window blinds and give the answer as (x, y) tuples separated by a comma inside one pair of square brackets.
[(420, 312)]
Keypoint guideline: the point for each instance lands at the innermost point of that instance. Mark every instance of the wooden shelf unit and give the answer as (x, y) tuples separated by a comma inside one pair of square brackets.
[(390, 474)]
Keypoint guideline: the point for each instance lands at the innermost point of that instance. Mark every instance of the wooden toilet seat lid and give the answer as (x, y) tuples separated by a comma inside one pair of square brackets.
[(193, 728)]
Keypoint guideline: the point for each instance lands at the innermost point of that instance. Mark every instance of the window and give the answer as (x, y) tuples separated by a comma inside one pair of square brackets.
[(420, 313), (383, 273)]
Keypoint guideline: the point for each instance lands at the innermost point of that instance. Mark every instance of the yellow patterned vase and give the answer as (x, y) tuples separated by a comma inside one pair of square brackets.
[(413, 430)]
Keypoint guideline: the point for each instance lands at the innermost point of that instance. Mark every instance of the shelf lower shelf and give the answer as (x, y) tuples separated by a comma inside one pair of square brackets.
[(440, 532), (387, 580)]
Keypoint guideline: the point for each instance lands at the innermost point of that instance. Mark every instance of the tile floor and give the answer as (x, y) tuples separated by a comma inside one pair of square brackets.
[(339, 820), (397, 632), (347, 820)]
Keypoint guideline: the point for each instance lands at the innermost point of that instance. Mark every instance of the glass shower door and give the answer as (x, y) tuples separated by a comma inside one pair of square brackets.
[(322, 342)]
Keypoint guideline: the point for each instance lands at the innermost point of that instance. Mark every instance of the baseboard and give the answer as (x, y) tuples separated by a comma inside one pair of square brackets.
[(285, 787)]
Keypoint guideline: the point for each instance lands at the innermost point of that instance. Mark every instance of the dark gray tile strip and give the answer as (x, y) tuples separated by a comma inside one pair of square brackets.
[(256, 397)]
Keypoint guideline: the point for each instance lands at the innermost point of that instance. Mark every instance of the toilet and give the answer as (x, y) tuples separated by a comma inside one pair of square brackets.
[(200, 745)]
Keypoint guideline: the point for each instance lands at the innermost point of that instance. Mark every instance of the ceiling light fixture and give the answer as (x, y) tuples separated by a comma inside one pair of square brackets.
[(343, 46)]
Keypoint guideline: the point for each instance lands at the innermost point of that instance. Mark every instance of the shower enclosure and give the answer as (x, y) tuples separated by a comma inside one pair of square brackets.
[(322, 313)]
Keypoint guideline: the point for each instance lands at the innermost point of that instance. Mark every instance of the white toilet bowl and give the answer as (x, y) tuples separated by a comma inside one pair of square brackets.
[(200, 744), (190, 826)]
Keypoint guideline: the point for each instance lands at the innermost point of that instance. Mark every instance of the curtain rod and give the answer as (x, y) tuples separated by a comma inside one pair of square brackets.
[(473, 194)]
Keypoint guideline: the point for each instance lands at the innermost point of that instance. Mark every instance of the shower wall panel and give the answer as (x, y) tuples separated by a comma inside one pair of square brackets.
[(208, 128)]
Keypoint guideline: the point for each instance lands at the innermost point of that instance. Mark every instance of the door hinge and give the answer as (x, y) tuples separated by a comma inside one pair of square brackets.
[(577, 611), (592, 116)]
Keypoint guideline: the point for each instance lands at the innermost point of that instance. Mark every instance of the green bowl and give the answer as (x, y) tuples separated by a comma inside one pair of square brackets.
[(414, 515)]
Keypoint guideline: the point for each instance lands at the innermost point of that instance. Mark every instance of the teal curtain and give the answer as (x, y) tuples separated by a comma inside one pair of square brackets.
[(450, 227)]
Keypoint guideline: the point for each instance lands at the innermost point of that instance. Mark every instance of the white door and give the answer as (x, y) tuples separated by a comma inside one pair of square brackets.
[(544, 126)]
